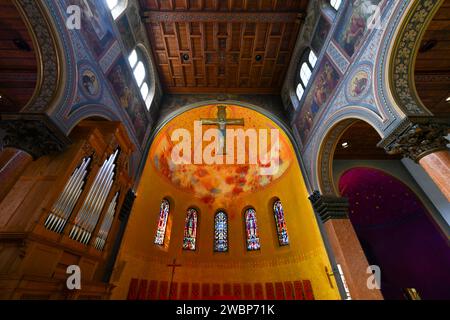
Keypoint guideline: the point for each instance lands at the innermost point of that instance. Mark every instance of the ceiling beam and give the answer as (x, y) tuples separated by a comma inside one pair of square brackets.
[(202, 16)]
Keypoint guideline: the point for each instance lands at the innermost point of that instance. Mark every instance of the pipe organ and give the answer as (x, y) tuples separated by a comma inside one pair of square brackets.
[(64, 207), (88, 216), (106, 224), (66, 202)]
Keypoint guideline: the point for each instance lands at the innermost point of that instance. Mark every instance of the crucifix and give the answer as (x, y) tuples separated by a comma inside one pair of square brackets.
[(222, 122), (173, 265)]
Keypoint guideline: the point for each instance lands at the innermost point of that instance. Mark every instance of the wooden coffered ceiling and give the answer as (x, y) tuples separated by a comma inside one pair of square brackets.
[(18, 65), (212, 46), (432, 69)]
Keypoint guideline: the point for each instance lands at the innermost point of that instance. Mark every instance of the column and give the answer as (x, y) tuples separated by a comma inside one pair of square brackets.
[(425, 143), (333, 213)]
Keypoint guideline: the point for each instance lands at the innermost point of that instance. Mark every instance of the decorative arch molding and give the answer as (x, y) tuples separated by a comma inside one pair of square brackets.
[(322, 161), (402, 57), (31, 129), (49, 55), (89, 111)]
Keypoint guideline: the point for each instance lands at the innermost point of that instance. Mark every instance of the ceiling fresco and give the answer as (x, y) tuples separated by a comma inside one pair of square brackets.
[(209, 182)]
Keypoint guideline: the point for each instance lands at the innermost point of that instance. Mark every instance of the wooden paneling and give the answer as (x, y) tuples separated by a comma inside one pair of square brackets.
[(223, 46), (362, 142), (18, 67), (432, 70)]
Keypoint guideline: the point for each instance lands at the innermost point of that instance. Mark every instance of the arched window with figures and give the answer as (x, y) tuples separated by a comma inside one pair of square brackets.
[(251, 228), (162, 222), (137, 61), (190, 230), (117, 7), (280, 223), (221, 232)]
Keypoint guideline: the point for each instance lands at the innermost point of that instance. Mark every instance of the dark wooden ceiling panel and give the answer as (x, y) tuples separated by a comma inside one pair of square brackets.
[(223, 46), (361, 140), (18, 67), (432, 70)]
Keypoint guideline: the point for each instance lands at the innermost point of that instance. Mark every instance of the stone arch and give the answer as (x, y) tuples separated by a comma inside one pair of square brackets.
[(51, 55), (400, 58), (321, 165), (90, 111)]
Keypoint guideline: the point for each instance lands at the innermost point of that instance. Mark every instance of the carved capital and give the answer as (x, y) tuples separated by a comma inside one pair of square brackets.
[(329, 207), (416, 139), (35, 136)]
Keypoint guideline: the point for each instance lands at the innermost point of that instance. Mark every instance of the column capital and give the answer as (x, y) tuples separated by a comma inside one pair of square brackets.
[(416, 138), (329, 206), (34, 134)]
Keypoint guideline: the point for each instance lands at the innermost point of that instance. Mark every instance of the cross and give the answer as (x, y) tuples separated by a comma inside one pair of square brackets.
[(173, 265), (221, 121)]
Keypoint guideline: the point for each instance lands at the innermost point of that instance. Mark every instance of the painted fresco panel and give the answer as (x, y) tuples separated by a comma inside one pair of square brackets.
[(96, 26), (353, 26)]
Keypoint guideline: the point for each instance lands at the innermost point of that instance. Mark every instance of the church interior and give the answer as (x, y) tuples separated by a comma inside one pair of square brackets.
[(224, 150)]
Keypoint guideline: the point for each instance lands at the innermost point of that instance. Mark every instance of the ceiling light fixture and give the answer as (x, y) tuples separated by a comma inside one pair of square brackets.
[(448, 99), (345, 145)]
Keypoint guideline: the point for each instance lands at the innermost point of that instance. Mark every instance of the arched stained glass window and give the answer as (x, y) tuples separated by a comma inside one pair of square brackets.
[(190, 229), (280, 222), (162, 222), (221, 232), (251, 228)]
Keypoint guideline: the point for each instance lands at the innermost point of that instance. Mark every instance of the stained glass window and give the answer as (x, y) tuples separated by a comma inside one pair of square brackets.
[(190, 229), (278, 211), (221, 232), (252, 230), (162, 222)]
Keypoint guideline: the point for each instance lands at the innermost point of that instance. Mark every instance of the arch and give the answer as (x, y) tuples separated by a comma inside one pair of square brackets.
[(54, 61), (322, 155), (399, 85), (90, 112), (394, 231)]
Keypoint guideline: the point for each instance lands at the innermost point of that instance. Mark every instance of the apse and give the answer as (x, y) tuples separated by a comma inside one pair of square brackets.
[(397, 234), (200, 230)]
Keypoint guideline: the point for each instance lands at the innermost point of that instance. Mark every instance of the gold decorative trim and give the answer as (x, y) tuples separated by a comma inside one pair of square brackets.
[(48, 55), (404, 54)]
